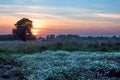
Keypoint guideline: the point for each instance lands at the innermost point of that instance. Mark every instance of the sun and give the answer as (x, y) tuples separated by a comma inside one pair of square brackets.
[(38, 27), (35, 31)]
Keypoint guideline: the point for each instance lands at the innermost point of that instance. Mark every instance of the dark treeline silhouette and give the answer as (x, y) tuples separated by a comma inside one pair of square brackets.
[(78, 38), (77, 43), (7, 37), (73, 42), (14, 37)]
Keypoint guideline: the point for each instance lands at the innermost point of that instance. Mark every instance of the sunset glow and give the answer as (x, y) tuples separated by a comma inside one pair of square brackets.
[(37, 24), (82, 17), (35, 31)]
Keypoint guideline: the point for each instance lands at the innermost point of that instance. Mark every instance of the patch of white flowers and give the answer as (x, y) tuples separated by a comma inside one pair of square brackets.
[(61, 65)]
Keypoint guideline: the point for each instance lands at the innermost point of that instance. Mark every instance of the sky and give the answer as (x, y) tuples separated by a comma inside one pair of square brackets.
[(82, 17)]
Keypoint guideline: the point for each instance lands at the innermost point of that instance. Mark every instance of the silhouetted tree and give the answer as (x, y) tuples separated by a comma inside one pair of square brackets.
[(23, 28)]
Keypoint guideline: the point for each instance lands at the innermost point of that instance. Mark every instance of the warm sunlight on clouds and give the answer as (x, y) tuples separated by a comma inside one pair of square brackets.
[(62, 17), (37, 23), (117, 16), (6, 20)]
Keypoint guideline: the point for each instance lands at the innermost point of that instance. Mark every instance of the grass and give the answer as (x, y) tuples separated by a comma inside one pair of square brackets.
[(62, 65), (10, 68), (40, 46), (36, 60)]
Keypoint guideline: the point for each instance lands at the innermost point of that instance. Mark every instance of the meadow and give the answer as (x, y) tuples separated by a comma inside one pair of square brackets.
[(37, 60), (54, 45)]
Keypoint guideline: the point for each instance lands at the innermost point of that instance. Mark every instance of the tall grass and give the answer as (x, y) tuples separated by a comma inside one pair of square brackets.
[(40, 46)]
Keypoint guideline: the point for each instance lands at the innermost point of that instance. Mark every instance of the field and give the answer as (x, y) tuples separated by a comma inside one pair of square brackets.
[(33, 61)]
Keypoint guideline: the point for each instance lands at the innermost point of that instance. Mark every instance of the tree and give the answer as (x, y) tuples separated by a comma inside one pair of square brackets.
[(23, 28)]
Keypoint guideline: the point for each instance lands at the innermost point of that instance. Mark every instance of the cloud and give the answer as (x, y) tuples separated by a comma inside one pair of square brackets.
[(115, 16), (71, 13), (74, 15)]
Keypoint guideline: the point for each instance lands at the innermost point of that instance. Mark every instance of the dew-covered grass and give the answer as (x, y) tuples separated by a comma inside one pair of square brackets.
[(63, 65), (32, 61)]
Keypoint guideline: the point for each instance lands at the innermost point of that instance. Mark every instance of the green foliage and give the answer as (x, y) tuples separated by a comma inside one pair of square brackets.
[(42, 48), (38, 46), (6, 50)]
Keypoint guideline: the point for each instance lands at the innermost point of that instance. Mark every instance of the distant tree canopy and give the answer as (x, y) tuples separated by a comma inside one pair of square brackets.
[(23, 28)]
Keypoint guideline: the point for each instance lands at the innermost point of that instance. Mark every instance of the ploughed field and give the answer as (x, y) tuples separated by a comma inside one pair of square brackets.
[(31, 61)]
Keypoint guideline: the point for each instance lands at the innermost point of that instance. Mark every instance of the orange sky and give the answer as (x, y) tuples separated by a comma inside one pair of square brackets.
[(43, 27), (60, 20)]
